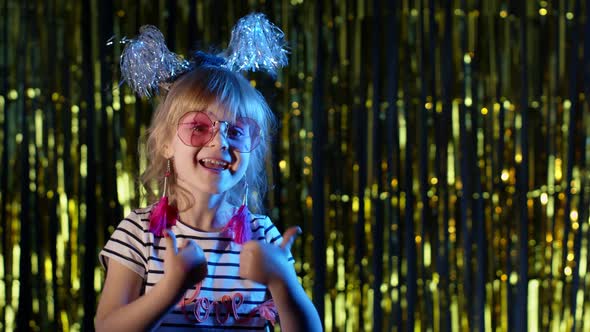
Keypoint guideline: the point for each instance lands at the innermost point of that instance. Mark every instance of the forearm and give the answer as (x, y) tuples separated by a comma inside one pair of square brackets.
[(140, 315), (296, 311)]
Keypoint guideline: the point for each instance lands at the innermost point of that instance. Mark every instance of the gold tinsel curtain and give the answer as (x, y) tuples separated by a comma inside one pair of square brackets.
[(435, 154)]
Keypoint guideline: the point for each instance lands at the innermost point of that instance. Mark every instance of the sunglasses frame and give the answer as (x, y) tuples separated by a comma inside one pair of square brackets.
[(216, 130)]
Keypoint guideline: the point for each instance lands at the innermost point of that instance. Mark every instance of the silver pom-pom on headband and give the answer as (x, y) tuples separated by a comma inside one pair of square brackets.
[(146, 62), (256, 45)]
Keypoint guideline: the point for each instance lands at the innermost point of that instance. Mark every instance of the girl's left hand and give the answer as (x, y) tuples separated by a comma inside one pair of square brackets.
[(266, 263)]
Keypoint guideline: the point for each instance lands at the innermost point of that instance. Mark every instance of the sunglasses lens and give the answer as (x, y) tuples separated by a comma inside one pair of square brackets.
[(244, 135), (195, 129)]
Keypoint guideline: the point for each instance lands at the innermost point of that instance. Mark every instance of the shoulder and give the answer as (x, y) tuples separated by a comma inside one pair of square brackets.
[(137, 221), (135, 224), (264, 229), (130, 242), (260, 219), (261, 222)]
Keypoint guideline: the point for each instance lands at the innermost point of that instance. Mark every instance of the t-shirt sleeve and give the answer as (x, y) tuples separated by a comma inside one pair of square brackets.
[(128, 246), (272, 235)]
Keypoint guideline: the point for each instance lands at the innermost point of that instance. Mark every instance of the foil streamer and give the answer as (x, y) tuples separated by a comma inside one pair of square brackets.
[(256, 45), (146, 62), (426, 120)]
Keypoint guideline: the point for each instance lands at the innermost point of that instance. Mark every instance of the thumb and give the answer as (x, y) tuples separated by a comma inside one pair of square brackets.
[(195, 250), (289, 237), (171, 244)]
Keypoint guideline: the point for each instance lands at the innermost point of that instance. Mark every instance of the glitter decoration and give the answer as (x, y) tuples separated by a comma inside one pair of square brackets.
[(256, 45), (146, 62), (429, 221)]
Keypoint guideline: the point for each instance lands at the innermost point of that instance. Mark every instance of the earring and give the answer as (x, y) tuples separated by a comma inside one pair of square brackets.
[(239, 224), (163, 215)]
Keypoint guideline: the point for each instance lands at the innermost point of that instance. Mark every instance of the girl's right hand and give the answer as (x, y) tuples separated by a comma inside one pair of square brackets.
[(185, 267)]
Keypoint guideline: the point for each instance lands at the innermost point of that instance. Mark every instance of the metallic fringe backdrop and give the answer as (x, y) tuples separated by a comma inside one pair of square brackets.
[(435, 154)]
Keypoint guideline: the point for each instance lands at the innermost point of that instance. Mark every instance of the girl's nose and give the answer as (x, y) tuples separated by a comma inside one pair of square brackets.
[(221, 128)]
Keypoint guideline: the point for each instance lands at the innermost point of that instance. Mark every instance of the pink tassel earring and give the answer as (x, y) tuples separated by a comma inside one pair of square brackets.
[(163, 215), (239, 224)]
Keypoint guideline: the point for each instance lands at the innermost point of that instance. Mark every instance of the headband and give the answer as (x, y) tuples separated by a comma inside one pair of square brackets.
[(255, 45)]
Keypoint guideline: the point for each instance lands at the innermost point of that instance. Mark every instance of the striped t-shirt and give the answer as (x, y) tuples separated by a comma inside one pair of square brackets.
[(134, 246)]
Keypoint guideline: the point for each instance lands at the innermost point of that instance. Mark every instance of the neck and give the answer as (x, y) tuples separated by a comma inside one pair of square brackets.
[(209, 213)]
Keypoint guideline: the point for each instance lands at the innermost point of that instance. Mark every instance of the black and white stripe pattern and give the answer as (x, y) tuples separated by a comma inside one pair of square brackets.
[(132, 245)]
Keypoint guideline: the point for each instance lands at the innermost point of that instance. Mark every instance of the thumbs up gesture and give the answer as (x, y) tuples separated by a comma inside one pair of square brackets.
[(185, 267), (266, 263)]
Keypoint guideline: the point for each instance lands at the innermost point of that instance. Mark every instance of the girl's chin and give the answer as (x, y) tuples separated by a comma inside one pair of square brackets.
[(208, 184), (211, 189)]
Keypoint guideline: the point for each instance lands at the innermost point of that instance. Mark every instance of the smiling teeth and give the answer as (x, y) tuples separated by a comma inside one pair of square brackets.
[(213, 162)]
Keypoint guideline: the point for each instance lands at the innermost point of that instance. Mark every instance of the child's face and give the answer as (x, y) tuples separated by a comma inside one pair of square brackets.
[(215, 167)]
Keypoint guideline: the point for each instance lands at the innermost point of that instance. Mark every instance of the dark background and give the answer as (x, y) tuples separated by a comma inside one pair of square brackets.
[(435, 154)]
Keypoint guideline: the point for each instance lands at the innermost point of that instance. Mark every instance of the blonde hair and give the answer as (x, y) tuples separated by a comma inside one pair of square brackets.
[(195, 90)]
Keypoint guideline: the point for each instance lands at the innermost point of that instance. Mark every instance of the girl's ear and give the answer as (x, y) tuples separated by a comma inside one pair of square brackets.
[(168, 151)]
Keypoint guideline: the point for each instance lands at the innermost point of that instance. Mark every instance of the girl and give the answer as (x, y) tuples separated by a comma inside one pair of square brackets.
[(198, 258)]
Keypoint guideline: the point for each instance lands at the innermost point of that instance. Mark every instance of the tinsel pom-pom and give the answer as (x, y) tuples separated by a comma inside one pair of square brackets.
[(239, 226), (256, 45), (162, 216), (146, 62)]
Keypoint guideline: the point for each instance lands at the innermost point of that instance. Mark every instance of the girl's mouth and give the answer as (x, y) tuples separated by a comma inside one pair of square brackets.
[(214, 164)]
